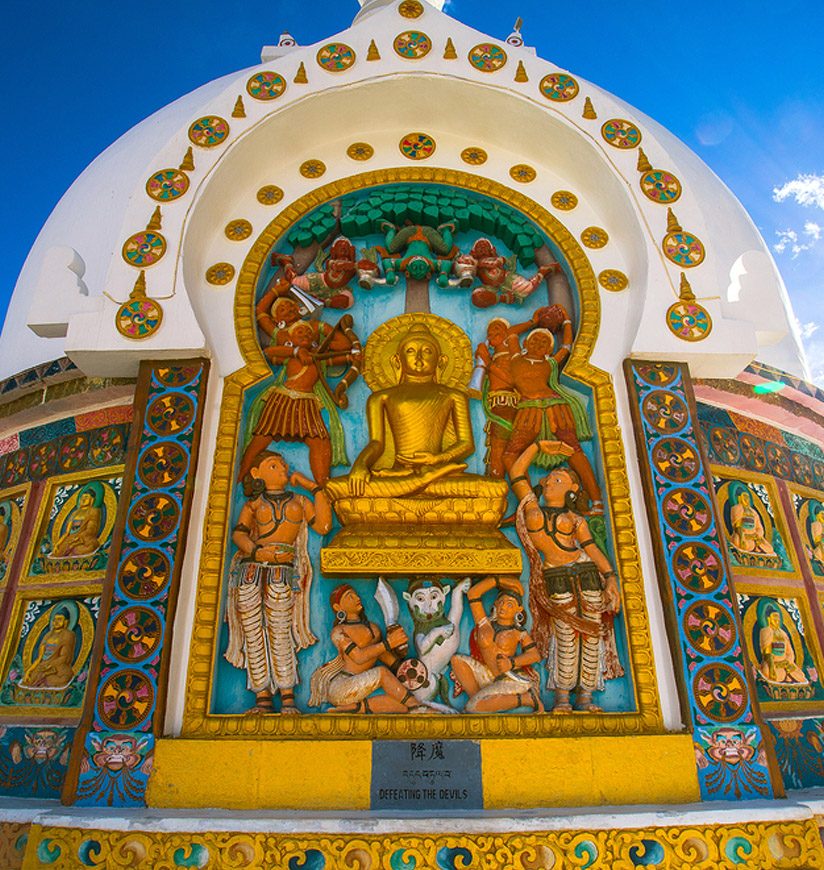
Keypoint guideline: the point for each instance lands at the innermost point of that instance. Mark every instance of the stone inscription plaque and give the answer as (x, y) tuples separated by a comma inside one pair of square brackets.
[(426, 775)]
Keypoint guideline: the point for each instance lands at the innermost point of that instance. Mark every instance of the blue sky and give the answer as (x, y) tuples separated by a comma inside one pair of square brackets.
[(740, 83)]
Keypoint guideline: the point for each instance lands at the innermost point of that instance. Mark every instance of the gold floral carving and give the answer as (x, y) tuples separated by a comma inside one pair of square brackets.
[(13, 843), (198, 721), (794, 845)]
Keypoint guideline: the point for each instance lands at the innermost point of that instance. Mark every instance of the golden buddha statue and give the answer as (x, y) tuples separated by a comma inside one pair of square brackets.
[(409, 489)]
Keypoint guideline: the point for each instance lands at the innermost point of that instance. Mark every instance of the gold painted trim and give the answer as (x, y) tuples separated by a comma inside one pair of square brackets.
[(780, 521), (55, 581), (792, 844), (197, 720), (22, 596), (799, 595)]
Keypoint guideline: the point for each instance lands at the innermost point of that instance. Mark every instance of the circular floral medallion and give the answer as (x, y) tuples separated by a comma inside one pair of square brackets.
[(621, 133), (312, 168), (410, 9), (613, 280), (724, 442), (238, 230), (709, 627), (107, 445), (209, 131), (487, 57), (125, 699), (167, 185), (336, 57), (657, 374), (42, 460), (802, 469), (220, 273), (144, 574), (144, 249), (564, 200), (522, 173), (138, 318), (685, 249), (474, 156), (360, 151), (266, 85), (753, 452), (154, 517), (720, 692), (779, 460), (665, 412), (594, 237), (162, 465), (269, 195), (689, 321), (135, 634), (697, 567), (660, 186), (676, 459), (417, 146), (170, 414), (687, 512), (412, 44), (559, 87), (73, 450), (176, 376)]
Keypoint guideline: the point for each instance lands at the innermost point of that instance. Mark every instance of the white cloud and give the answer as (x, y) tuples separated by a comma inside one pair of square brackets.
[(798, 243), (805, 190), (806, 330)]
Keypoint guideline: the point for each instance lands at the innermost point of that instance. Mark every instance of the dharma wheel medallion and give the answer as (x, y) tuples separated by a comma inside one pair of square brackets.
[(144, 249), (559, 87), (417, 146), (684, 249), (621, 134), (336, 57), (209, 131), (594, 237), (266, 86), (689, 321), (659, 186), (487, 57), (269, 195), (138, 318), (412, 44), (564, 200), (167, 185)]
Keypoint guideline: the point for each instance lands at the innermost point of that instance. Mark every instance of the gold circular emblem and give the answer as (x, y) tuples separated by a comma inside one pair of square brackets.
[(138, 318), (360, 151), (312, 168), (410, 9), (594, 237), (380, 369), (412, 44), (564, 200), (474, 156), (613, 280), (269, 195), (417, 146), (523, 173), (689, 320), (144, 249), (238, 230), (220, 273)]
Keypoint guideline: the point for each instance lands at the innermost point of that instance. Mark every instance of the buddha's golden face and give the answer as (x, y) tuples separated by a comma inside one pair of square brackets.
[(86, 500), (418, 356), (59, 622)]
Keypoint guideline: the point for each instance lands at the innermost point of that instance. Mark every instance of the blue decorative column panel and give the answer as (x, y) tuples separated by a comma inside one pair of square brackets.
[(704, 633), (126, 711)]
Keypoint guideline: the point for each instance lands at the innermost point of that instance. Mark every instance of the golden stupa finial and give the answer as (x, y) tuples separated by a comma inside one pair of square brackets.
[(239, 110), (643, 164), (589, 110), (520, 75), (154, 220), (449, 52), (685, 290), (672, 222), (300, 76), (139, 291), (372, 52), (188, 163)]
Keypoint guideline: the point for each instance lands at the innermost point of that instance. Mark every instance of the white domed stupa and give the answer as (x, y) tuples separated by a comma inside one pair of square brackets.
[(443, 481)]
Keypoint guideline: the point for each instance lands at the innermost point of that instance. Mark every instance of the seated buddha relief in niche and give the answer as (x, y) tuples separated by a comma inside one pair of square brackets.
[(418, 521)]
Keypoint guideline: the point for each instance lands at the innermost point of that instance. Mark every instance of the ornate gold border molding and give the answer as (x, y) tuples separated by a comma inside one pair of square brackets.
[(198, 721)]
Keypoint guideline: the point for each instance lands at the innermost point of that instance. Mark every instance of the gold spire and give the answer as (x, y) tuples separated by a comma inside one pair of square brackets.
[(239, 110), (300, 75), (154, 221), (672, 222), (449, 52), (521, 75), (685, 290), (643, 164), (188, 163), (139, 291), (373, 53), (589, 110)]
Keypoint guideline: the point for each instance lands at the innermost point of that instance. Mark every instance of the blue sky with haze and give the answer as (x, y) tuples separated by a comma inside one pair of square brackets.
[(741, 83)]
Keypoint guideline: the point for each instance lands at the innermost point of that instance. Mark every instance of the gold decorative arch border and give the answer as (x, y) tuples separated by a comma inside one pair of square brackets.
[(198, 721)]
